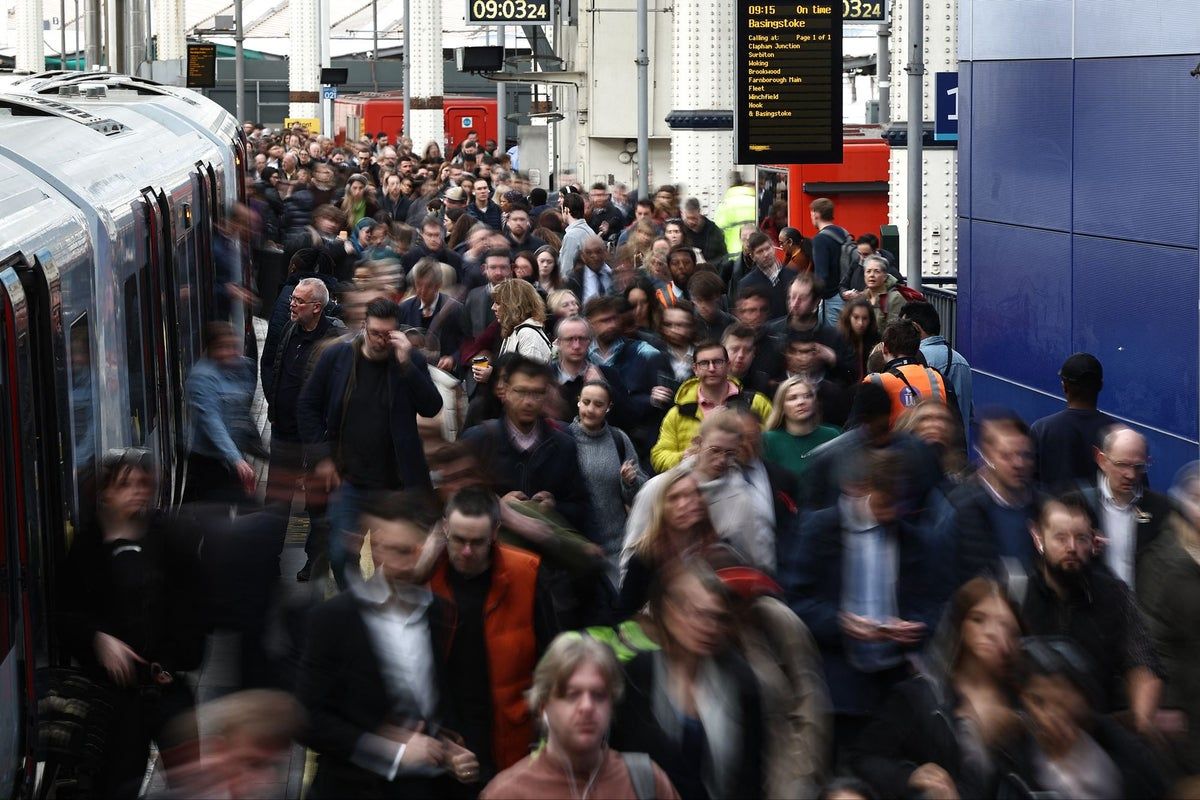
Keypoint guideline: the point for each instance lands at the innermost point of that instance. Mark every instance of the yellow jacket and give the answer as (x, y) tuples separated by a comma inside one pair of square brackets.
[(682, 422)]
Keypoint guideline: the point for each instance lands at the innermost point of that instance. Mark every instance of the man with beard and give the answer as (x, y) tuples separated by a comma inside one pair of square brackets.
[(1069, 596)]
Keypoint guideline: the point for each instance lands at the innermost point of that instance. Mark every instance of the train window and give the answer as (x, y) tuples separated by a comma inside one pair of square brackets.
[(83, 419), (138, 416)]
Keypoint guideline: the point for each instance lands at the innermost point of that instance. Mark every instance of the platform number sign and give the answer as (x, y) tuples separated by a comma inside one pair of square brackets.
[(945, 121), (509, 12), (864, 10)]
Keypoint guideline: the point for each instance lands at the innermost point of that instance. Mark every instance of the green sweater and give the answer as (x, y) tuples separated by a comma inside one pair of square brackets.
[(791, 452)]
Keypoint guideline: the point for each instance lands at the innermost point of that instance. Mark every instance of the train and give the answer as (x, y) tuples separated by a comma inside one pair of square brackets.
[(112, 189), (383, 112)]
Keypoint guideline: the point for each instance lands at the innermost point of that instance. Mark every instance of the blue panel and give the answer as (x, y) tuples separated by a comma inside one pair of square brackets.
[(1021, 302), (1137, 163), (1107, 28), (1168, 453), (1020, 131), (1018, 29), (1135, 308), (962, 334), (964, 138)]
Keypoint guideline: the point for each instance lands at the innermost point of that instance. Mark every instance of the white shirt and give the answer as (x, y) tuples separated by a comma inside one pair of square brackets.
[(595, 282), (1119, 526), (399, 629)]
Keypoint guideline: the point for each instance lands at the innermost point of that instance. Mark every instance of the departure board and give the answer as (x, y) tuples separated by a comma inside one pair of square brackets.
[(789, 99), (201, 66)]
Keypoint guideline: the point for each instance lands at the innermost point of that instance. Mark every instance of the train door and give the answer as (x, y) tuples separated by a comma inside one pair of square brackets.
[(155, 305), (20, 459)]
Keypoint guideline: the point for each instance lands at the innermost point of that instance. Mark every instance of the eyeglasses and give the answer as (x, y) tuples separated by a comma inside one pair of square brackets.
[(711, 363), (574, 339), (1138, 467), (300, 301)]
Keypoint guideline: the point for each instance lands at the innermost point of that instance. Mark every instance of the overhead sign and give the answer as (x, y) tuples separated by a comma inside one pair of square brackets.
[(945, 106), (509, 12), (201, 66), (789, 97), (864, 10), (329, 93)]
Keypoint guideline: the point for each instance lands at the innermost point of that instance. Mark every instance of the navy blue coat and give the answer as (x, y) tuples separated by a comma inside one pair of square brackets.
[(322, 407), (810, 571)]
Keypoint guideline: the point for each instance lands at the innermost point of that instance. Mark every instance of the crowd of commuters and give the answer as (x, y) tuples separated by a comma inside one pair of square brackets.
[(611, 499)]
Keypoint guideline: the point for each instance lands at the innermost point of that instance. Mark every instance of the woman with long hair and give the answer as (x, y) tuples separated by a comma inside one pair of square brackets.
[(522, 315), (356, 204), (549, 276), (523, 267), (647, 312), (942, 732), (859, 329), (694, 705), (460, 231), (794, 428), (432, 153)]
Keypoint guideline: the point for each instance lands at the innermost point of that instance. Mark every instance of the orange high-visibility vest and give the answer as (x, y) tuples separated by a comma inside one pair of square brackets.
[(908, 385)]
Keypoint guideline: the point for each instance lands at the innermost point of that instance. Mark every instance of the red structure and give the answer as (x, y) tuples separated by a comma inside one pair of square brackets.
[(375, 112), (858, 186)]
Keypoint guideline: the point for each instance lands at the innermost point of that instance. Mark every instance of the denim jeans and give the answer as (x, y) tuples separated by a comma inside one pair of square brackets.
[(345, 540), (831, 309)]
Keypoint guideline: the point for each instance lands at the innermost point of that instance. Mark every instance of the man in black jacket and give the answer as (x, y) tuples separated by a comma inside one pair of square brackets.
[(357, 417), (285, 367), (372, 675), (432, 244), (526, 458)]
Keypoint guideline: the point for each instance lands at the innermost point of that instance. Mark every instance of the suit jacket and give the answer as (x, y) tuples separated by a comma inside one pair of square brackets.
[(1152, 504), (446, 322), (342, 687)]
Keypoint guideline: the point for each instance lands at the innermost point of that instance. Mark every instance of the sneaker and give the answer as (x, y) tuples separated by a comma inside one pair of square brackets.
[(305, 572)]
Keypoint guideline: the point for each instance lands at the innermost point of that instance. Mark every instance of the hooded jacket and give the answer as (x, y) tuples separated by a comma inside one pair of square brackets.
[(682, 422)]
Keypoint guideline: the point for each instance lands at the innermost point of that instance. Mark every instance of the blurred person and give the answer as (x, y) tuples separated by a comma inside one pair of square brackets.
[(677, 328), (355, 203), (432, 310), (502, 621), (286, 366), (701, 232), (479, 307), (246, 746), (846, 789), (666, 201), (373, 676), (753, 309), (995, 507), (603, 217), (549, 276), (130, 614), (802, 359), (575, 234), (863, 580), (647, 314), (904, 376), (432, 244), (741, 342), (835, 351), (327, 232), (522, 314), (396, 197), (682, 264), (940, 355), (1065, 441), (738, 263), (573, 370), (562, 303), (1069, 750), (593, 277), (1068, 596), (357, 415), (794, 429), (1129, 516), (768, 274), (772, 492), (517, 227), (775, 220), (945, 731), (827, 248), (222, 437), (708, 390), (576, 686), (860, 330), (935, 425), (1169, 594), (608, 459), (707, 293), (695, 706), (528, 459)]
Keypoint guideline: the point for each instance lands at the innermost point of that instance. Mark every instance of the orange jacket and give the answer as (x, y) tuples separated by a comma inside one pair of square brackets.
[(909, 384), (508, 633)]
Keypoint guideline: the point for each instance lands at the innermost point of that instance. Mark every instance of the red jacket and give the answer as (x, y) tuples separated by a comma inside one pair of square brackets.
[(508, 630)]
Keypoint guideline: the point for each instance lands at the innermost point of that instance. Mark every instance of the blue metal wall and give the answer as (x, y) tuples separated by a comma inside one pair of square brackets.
[(1079, 208)]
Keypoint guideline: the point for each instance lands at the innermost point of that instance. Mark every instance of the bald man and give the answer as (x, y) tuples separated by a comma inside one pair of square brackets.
[(1130, 516)]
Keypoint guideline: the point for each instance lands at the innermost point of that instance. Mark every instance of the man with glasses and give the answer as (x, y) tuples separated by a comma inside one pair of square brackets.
[(1130, 516), (527, 459), (709, 390), (285, 368), (357, 417), (503, 621), (573, 370), (1069, 595)]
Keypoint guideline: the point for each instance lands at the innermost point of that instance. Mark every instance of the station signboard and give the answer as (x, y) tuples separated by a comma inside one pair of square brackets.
[(789, 92), (201, 66)]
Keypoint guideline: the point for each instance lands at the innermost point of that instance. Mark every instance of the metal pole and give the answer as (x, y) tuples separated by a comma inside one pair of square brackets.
[(374, 43), (916, 130), (408, 72), (78, 63), (883, 74), (501, 104), (239, 62), (62, 34), (643, 98)]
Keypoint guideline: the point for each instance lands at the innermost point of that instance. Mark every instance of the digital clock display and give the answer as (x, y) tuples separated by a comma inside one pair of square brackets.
[(509, 12), (864, 10)]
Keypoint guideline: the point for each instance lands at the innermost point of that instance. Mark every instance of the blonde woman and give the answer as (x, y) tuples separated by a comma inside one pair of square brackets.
[(794, 428), (522, 314)]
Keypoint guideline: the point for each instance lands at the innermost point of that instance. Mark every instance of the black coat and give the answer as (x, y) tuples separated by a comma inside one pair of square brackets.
[(635, 728), (977, 551), (1156, 507), (551, 466), (342, 688)]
